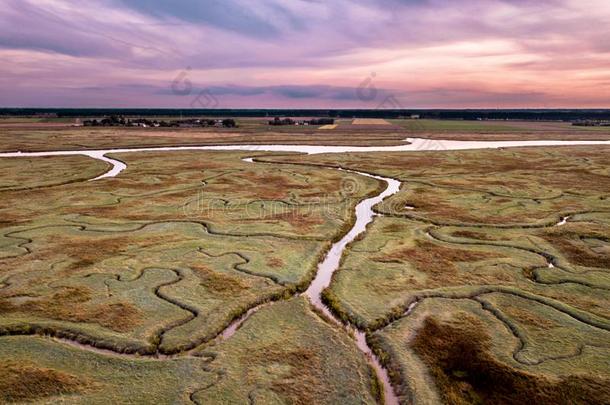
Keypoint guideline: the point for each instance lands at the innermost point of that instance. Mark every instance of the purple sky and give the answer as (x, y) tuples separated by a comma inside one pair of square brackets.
[(305, 53)]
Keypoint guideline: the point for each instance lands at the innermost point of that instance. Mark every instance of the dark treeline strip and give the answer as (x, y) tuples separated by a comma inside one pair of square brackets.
[(495, 114)]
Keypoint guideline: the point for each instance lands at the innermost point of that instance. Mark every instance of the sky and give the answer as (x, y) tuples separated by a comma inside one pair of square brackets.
[(305, 53)]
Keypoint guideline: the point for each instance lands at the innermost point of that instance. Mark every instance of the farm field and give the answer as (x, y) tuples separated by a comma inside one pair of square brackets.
[(370, 121), (491, 126), (23, 135), (483, 279)]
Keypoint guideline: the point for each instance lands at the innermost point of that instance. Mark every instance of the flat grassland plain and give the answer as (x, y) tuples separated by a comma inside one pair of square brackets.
[(483, 280), (59, 134)]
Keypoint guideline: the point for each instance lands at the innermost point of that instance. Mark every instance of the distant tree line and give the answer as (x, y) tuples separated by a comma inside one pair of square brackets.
[(120, 121), (591, 123), (277, 121), (474, 114)]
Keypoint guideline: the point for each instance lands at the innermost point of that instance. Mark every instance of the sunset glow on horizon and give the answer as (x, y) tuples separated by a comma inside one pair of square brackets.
[(305, 54)]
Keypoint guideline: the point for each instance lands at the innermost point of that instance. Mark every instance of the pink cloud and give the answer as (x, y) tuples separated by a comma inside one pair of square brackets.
[(426, 53)]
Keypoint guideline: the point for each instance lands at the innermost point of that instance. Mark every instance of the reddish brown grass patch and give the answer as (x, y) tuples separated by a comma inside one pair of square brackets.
[(459, 359), (304, 383), (439, 262), (300, 221), (471, 235), (576, 251), (87, 250), (25, 382), (72, 304), (428, 201), (530, 318), (219, 283), (275, 262), (394, 227)]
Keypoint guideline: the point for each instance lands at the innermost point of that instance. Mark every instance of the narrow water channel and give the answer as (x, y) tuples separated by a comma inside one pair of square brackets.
[(330, 264)]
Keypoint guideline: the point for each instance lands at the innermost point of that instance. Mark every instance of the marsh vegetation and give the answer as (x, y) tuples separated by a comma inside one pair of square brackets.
[(483, 280), (500, 246)]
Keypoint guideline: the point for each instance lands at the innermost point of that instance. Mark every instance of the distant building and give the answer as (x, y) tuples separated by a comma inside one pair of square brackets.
[(118, 121)]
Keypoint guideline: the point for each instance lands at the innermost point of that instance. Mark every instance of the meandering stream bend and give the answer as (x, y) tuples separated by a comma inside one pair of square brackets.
[(364, 210), (330, 264)]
